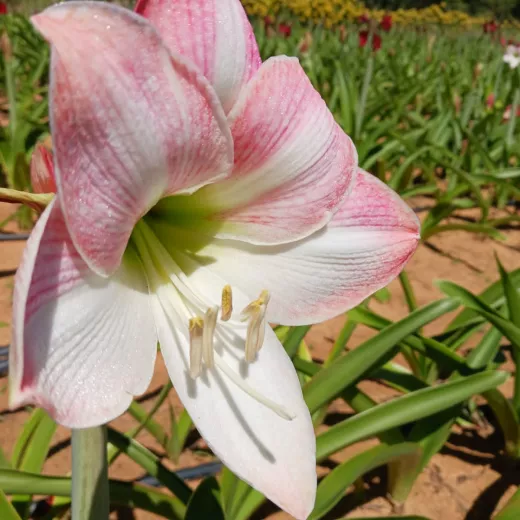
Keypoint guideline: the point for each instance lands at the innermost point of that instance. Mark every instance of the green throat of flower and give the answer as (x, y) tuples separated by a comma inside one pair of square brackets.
[(208, 323)]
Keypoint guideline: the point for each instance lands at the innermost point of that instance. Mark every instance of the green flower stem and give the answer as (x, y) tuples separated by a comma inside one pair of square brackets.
[(90, 474)]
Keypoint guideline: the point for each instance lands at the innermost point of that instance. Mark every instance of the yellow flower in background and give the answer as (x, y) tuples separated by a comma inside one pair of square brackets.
[(332, 12)]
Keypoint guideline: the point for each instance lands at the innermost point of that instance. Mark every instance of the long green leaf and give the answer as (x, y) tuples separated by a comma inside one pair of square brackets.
[(405, 409), (332, 488), (121, 493), (457, 292), (148, 461), (511, 511), (492, 295), (205, 502), (7, 511), (31, 452), (352, 366)]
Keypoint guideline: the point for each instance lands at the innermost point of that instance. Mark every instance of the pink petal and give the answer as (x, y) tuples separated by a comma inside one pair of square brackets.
[(42, 170), (363, 248), (293, 164), (82, 345), (214, 34), (130, 123)]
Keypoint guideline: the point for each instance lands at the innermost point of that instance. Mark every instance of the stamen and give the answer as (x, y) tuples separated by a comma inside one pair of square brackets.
[(210, 322), (252, 335), (196, 331), (275, 407), (255, 313), (227, 303), (261, 331)]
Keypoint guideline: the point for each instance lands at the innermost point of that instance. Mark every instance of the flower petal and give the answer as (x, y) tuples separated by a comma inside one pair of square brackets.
[(82, 345), (214, 34), (362, 249), (275, 455), (42, 170), (293, 164), (130, 123)]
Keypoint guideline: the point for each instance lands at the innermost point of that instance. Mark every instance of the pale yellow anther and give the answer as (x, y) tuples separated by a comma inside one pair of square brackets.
[(255, 313), (255, 305), (227, 303), (208, 333), (196, 330)]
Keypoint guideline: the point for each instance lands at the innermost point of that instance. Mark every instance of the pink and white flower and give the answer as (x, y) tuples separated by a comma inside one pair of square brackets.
[(193, 181), (512, 56)]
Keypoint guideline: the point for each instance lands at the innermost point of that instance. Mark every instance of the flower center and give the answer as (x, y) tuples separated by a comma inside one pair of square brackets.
[(207, 333)]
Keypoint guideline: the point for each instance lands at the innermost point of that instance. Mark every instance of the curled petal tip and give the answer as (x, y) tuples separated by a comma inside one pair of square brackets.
[(42, 170)]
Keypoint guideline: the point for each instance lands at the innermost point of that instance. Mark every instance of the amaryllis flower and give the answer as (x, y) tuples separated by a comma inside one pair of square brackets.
[(364, 37), (386, 23), (512, 56), (200, 195)]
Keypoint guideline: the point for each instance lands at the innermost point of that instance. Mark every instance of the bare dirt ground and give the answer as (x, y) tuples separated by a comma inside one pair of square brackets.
[(468, 480)]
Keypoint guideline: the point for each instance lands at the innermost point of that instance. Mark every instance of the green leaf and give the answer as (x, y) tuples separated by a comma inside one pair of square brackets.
[(149, 424), (457, 292), (383, 295), (31, 451), (428, 347), (352, 366), (7, 511), (508, 420), (294, 338), (430, 434), (205, 502), (405, 409), (513, 306), (484, 353), (332, 488), (239, 499), (3, 324), (4, 461), (150, 463), (511, 511), (121, 493), (493, 296)]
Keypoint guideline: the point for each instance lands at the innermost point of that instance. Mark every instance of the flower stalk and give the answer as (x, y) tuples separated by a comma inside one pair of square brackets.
[(89, 474)]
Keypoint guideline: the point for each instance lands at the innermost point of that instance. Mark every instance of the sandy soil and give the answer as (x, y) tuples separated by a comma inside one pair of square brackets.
[(466, 481)]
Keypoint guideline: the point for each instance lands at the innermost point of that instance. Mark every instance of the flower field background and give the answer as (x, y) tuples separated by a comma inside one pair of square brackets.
[(415, 394)]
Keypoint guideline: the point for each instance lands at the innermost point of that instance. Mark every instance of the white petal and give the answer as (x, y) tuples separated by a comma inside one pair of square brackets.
[(362, 249), (82, 345), (275, 455)]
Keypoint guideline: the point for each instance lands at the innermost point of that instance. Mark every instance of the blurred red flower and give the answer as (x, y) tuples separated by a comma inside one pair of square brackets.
[(490, 27), (386, 22), (285, 30), (3, 8), (376, 40)]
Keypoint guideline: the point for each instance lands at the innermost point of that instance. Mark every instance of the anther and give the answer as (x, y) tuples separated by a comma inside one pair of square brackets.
[(255, 313), (227, 303), (196, 330), (208, 332)]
